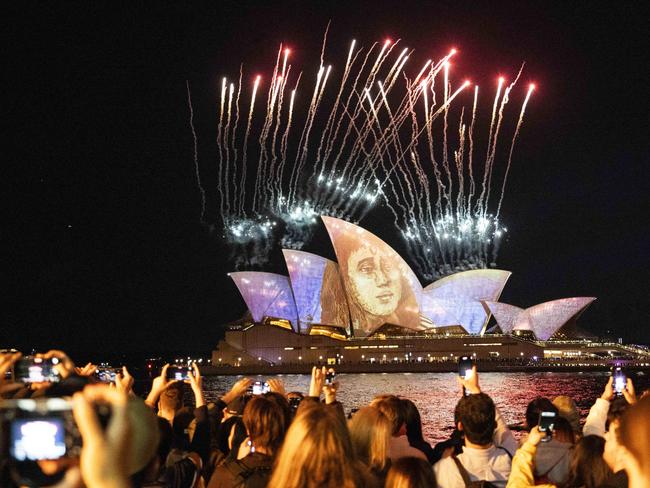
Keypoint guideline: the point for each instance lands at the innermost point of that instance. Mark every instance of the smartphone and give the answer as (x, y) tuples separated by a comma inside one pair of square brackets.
[(329, 377), (31, 369), (180, 373), (39, 429), (294, 402), (465, 364), (620, 381), (546, 423), (106, 375), (260, 387)]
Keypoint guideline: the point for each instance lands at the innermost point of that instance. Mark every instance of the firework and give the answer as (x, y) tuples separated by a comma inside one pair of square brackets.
[(365, 134)]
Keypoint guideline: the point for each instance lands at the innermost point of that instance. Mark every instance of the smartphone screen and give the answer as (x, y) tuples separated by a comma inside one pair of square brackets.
[(620, 380), (329, 377), (260, 387), (33, 439), (36, 370), (465, 364), (179, 373), (106, 375), (547, 423)]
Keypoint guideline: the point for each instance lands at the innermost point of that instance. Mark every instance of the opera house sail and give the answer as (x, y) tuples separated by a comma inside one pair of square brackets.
[(544, 319), (369, 305), (267, 295)]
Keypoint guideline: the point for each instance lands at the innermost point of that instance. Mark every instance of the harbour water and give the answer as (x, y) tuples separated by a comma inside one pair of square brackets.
[(436, 394)]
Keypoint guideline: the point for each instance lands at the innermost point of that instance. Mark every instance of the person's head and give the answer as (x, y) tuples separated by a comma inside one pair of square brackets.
[(588, 468), (171, 398), (317, 451), (370, 432), (476, 417), (634, 436), (567, 409), (563, 431), (394, 410), (266, 424), (413, 421), (409, 472), (535, 407), (282, 402), (613, 452)]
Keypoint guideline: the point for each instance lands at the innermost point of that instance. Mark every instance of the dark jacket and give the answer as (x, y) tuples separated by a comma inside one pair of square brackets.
[(253, 471)]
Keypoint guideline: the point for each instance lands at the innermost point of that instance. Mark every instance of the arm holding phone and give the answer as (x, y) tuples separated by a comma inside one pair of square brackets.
[(503, 436), (522, 472), (158, 386)]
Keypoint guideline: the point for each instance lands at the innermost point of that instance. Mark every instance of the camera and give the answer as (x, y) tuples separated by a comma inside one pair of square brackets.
[(38, 429), (180, 373), (259, 388), (620, 380), (465, 365), (31, 369), (106, 374), (546, 424)]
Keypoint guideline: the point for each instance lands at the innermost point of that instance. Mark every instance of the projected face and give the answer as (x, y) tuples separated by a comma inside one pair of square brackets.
[(375, 280)]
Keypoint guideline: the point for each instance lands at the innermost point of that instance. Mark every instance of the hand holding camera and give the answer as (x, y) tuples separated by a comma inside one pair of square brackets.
[(468, 376), (546, 425)]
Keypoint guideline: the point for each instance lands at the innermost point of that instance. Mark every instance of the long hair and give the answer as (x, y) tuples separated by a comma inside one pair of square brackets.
[(634, 433), (265, 422), (362, 320), (410, 472), (317, 452), (333, 302), (588, 468), (413, 423), (370, 432)]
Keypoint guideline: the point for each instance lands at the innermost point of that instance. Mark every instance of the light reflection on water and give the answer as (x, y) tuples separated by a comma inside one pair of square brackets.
[(436, 394)]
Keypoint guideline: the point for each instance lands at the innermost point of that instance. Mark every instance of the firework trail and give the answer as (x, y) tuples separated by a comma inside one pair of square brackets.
[(196, 153), (365, 134)]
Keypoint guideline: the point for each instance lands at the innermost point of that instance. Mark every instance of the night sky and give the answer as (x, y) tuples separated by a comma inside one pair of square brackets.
[(103, 246)]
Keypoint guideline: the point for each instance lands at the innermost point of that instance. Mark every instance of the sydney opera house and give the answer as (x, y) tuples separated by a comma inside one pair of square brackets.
[(370, 308)]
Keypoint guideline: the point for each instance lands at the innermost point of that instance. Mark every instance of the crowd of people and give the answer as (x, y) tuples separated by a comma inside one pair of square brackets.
[(286, 439)]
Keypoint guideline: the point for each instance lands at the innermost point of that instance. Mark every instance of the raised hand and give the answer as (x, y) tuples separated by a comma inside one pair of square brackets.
[(471, 383), (87, 370), (330, 390), (65, 366), (317, 380), (124, 381), (104, 454), (160, 383), (6, 362), (535, 436), (196, 382), (277, 386), (628, 392), (237, 390), (608, 393)]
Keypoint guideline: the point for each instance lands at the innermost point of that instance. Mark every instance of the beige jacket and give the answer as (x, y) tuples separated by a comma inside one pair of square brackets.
[(521, 474)]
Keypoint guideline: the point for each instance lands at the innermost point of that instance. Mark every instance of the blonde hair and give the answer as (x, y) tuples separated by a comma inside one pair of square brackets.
[(370, 432), (317, 452), (634, 434), (567, 408)]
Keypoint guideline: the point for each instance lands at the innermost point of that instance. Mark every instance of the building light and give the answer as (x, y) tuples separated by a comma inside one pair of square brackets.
[(288, 348), (299, 358), (279, 358)]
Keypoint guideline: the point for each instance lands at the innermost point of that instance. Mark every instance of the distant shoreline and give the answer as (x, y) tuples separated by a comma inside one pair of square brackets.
[(413, 367)]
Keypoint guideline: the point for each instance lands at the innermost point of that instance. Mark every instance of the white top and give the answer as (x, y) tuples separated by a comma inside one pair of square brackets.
[(491, 464)]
